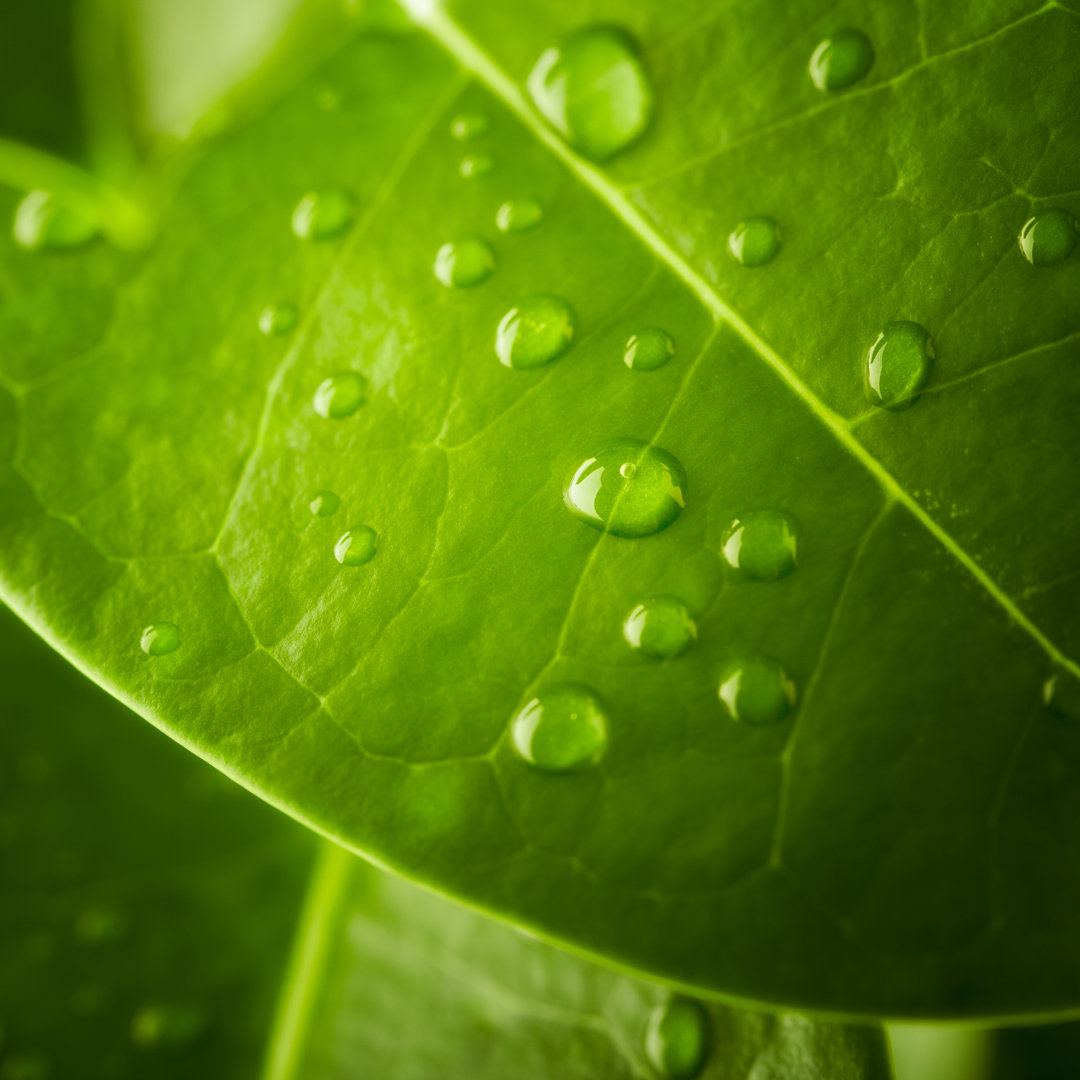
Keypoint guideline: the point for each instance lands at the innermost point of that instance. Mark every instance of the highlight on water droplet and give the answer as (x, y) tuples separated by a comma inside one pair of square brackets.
[(536, 331), (475, 166), (324, 503), (44, 220), (160, 638), (762, 545), (648, 349), (755, 241), (277, 319), (841, 60), (320, 215), (340, 395), (158, 1026), (594, 90), (756, 690), (98, 925), (1049, 237), (660, 627), (469, 125), (677, 1038), (898, 365), (518, 215), (564, 727), (464, 263), (357, 546), (628, 488)]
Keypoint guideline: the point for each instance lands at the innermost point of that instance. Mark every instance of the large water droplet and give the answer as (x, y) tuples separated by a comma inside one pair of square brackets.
[(160, 638), (44, 220), (677, 1039), (155, 1026), (762, 545), (841, 60), (324, 504), (564, 727), (357, 546), (755, 241), (518, 215), (340, 395), (660, 627), (277, 319), (322, 214), (535, 332), (628, 488), (594, 91), (99, 926), (475, 166), (898, 365), (464, 263), (648, 349), (756, 690), (1049, 237), (469, 125)]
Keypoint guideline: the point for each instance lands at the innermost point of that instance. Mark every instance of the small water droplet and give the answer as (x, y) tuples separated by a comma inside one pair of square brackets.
[(660, 627), (469, 125), (841, 60), (157, 1026), (340, 395), (518, 215), (756, 690), (322, 214), (763, 545), (464, 263), (897, 365), (357, 546), (277, 319), (628, 503), (324, 504), (564, 727), (677, 1038), (26, 1067), (648, 349), (594, 91), (535, 332), (44, 220), (475, 166), (755, 241), (99, 926), (1061, 695), (160, 638), (1049, 237)]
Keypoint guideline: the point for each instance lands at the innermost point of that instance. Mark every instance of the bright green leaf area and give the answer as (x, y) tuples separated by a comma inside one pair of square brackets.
[(901, 842)]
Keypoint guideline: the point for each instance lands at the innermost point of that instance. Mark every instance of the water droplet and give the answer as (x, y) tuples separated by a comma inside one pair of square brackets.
[(756, 690), (474, 166), (469, 125), (160, 638), (464, 263), (755, 241), (44, 220), (99, 926), (324, 504), (1061, 695), (762, 545), (633, 502), (155, 1026), (563, 727), (898, 365), (660, 627), (594, 91), (535, 332), (322, 214), (518, 215), (277, 319), (1049, 237), (841, 60), (26, 1067), (340, 395), (677, 1038), (648, 349), (357, 546)]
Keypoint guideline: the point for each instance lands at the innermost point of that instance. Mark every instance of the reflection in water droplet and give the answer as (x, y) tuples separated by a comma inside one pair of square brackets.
[(277, 319), (841, 60), (677, 1039), (762, 545), (99, 926), (648, 349), (518, 215), (464, 263), (633, 502), (357, 546), (535, 332), (756, 690), (340, 395), (594, 91), (469, 125), (755, 241), (155, 1026), (324, 504), (160, 638), (44, 220), (25, 1067), (475, 166), (1049, 237), (563, 727), (897, 365), (660, 627), (322, 214)]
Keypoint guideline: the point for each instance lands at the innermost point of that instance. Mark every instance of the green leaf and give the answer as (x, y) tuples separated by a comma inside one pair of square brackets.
[(899, 841)]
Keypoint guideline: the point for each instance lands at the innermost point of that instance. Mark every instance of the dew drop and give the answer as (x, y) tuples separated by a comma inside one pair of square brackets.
[(518, 215), (340, 395), (1061, 695), (756, 690), (660, 627), (594, 91), (841, 60), (648, 349), (277, 319), (677, 1039), (564, 727), (44, 220), (475, 166), (324, 504), (166, 1026), (26, 1067), (464, 263), (755, 241), (536, 331), (357, 546), (898, 365), (469, 125), (160, 638), (322, 214), (762, 545), (629, 502), (1049, 237), (99, 926)]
